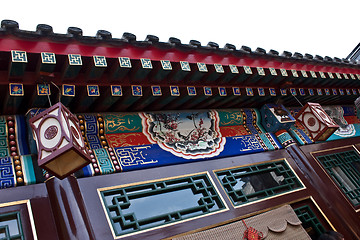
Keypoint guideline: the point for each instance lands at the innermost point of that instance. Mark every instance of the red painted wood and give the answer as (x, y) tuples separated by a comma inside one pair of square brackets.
[(174, 55)]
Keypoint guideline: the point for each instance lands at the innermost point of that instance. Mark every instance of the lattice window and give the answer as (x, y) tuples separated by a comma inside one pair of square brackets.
[(309, 221), (251, 183), (344, 169), (10, 227), (135, 208)]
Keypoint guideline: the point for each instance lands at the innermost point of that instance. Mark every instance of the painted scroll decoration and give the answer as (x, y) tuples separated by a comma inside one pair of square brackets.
[(190, 135), (337, 114)]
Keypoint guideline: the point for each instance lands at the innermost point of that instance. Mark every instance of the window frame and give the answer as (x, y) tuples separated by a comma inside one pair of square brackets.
[(24, 210), (336, 150), (105, 211), (234, 205)]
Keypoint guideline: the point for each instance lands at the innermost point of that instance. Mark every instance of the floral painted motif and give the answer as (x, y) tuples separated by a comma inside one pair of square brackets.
[(190, 135)]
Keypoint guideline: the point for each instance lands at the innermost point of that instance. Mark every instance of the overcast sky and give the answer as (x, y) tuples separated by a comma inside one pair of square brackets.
[(326, 28)]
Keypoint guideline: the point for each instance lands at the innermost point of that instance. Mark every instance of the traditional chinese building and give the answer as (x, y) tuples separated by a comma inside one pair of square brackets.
[(186, 141)]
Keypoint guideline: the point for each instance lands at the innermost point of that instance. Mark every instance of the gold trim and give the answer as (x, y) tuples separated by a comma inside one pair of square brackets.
[(283, 91), (63, 90), (133, 92), (31, 217), (49, 179), (238, 89), (327, 220), (333, 149), (165, 225), (263, 92), (153, 93), (47, 89), (249, 92), (224, 94), (112, 92), (322, 213), (263, 199), (272, 91), (205, 93), (175, 94), (28, 206), (331, 179), (188, 90), (93, 95), (8, 204), (189, 93), (16, 95)]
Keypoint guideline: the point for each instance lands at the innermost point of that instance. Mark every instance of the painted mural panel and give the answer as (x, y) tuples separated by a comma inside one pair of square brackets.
[(185, 134), (144, 140), (340, 114), (152, 155)]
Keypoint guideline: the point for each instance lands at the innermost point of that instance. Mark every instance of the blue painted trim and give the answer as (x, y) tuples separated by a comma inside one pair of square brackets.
[(21, 135)]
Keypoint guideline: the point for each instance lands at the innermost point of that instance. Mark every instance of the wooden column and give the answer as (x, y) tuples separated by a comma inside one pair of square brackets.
[(68, 209)]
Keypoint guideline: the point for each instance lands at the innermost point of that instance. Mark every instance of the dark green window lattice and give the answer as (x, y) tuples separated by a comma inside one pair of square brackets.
[(135, 208), (10, 227), (344, 169), (251, 183), (309, 221)]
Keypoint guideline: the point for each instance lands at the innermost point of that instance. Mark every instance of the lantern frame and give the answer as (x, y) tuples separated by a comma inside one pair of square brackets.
[(61, 148), (313, 112)]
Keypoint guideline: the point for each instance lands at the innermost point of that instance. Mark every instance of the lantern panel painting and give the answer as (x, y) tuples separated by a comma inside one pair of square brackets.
[(49, 133), (318, 123), (61, 148)]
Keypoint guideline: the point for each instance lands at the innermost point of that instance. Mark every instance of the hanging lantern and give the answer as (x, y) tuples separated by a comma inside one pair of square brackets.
[(61, 148), (314, 118)]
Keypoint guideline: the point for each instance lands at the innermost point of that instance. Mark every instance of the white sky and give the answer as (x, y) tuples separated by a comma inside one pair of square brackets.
[(327, 28)]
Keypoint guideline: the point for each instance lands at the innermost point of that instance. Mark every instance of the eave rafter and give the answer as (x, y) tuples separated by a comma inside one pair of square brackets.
[(106, 74)]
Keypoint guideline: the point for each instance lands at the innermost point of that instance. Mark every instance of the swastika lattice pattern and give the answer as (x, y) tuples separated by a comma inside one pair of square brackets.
[(100, 61), (185, 66), (125, 62), (166, 64), (146, 63), (131, 156), (19, 56), (6, 173), (202, 67), (48, 58), (75, 59)]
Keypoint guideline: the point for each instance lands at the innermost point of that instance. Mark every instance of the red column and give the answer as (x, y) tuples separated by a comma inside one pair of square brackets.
[(68, 208)]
